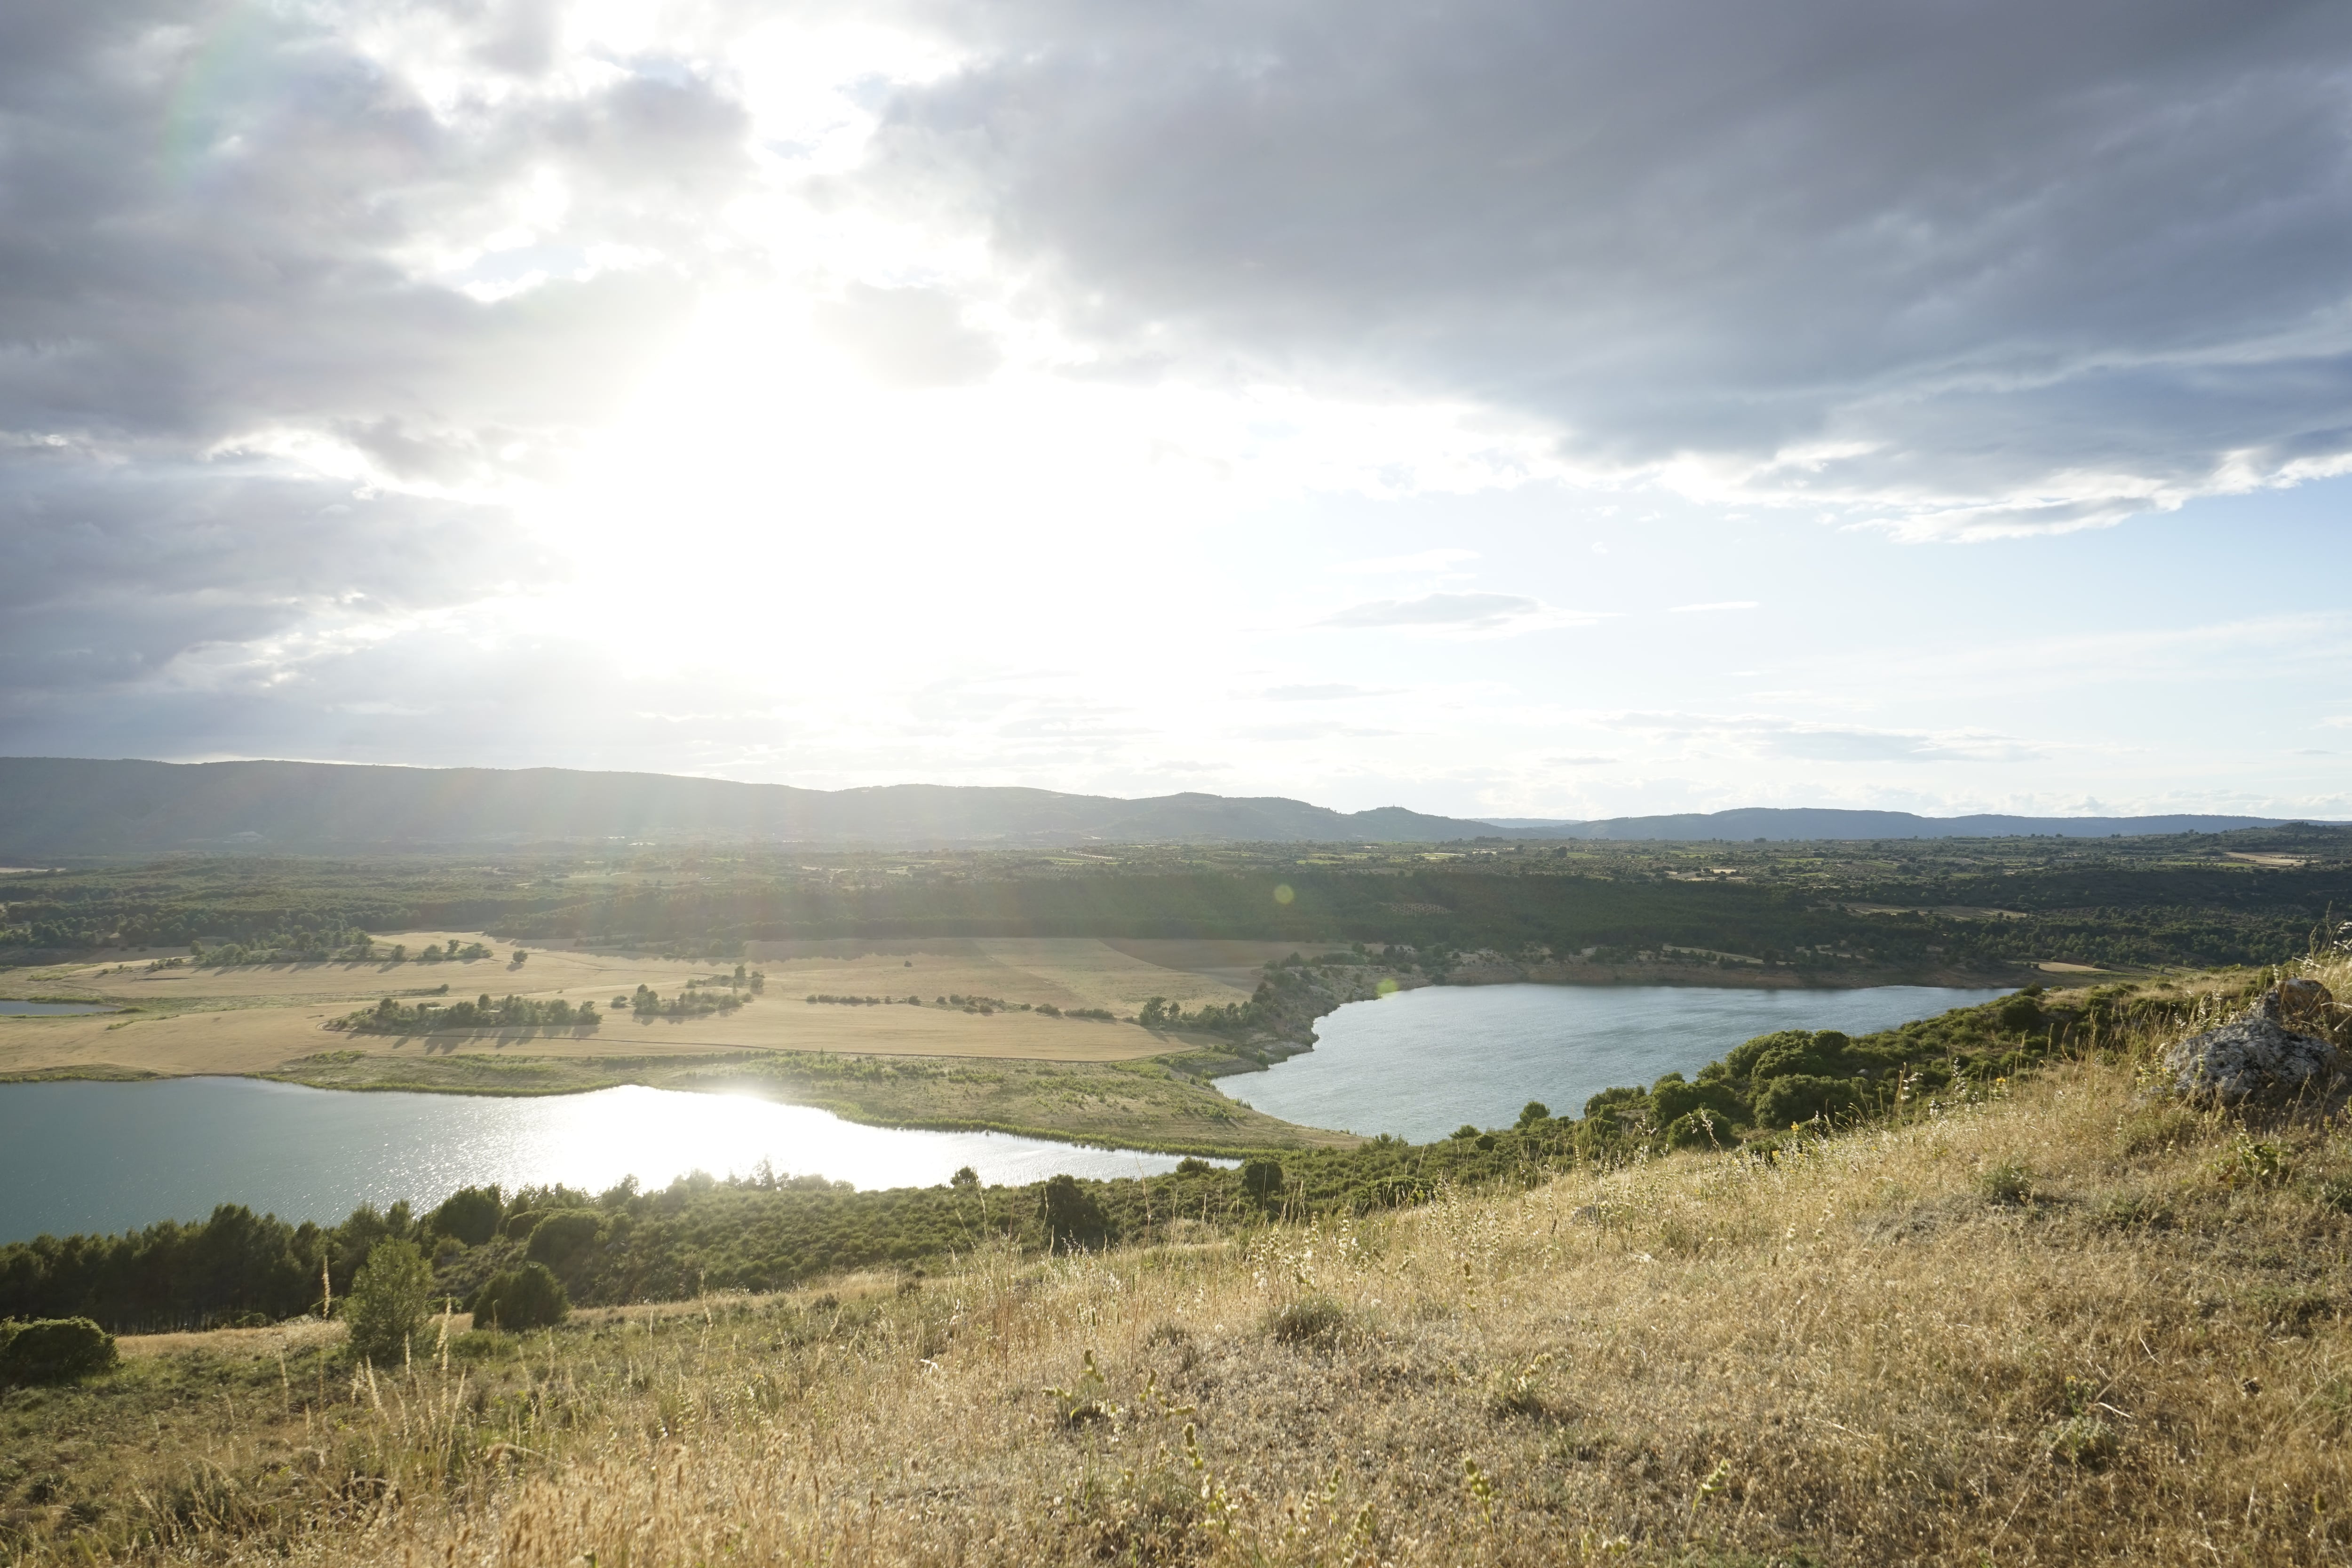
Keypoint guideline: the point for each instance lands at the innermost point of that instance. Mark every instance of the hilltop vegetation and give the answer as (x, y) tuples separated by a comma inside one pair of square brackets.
[(2047, 1317)]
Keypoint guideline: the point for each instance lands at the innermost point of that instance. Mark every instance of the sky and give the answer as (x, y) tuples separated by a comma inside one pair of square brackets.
[(1551, 408)]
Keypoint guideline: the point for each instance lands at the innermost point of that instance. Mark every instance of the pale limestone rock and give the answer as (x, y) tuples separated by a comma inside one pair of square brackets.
[(2256, 1055)]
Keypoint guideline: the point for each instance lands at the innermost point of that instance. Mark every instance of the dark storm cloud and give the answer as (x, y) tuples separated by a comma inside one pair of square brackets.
[(2046, 261), (114, 571), (224, 229), (211, 218)]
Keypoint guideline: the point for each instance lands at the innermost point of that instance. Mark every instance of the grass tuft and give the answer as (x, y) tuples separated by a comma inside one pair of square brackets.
[(1316, 1322)]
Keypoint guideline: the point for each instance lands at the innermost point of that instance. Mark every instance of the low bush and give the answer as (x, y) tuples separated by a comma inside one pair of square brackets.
[(562, 1235), (469, 1215), (1700, 1129), (1316, 1320), (54, 1350), (530, 1297), (1800, 1097), (2007, 1183)]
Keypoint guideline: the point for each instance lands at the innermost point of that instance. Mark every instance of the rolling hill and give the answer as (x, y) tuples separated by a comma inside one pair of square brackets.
[(53, 808)]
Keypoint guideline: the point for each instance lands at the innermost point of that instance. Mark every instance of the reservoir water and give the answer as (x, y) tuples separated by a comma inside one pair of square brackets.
[(110, 1156), (47, 1009), (1420, 1063)]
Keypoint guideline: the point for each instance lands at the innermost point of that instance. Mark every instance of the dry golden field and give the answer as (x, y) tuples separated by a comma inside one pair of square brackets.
[(256, 1019), (1084, 1079), (2067, 1324)]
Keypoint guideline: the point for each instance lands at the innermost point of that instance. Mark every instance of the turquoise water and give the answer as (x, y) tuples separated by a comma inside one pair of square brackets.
[(110, 1156), (1420, 1063)]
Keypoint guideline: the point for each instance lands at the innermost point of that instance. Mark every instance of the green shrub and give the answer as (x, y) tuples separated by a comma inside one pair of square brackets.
[(388, 1300), (530, 1297), (1800, 1097), (1700, 1129), (54, 1350), (2021, 1013), (469, 1215), (1743, 1058), (1625, 1094), (564, 1235), (1674, 1100)]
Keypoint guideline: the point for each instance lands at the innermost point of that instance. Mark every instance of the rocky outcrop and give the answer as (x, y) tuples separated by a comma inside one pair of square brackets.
[(2262, 1056)]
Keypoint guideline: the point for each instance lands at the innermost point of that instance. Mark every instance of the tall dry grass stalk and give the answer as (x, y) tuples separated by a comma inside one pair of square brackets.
[(2062, 1323)]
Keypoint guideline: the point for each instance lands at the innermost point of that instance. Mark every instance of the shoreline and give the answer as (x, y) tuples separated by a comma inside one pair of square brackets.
[(771, 1076), (1229, 1064), (1168, 1103)]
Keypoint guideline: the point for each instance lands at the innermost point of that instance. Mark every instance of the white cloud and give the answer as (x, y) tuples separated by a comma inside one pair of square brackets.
[(1421, 561), (1324, 691), (1718, 604), (1460, 613), (1797, 739)]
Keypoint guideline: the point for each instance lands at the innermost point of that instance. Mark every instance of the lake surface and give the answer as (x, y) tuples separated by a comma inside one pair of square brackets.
[(1420, 1063), (47, 1009), (110, 1156)]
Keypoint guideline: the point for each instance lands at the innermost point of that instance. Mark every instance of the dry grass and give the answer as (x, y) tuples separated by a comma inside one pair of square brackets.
[(254, 1019), (1067, 972), (2059, 1324), (1014, 1070)]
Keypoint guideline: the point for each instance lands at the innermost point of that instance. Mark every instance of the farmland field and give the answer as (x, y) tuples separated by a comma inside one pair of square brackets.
[(1001, 1064)]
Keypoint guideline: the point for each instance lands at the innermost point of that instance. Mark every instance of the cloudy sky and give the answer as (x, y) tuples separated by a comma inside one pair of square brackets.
[(1536, 407)]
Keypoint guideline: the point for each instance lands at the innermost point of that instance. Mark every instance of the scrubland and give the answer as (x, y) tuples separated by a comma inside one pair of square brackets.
[(2053, 1321)]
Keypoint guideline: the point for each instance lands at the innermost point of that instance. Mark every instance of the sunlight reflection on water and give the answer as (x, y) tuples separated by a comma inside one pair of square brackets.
[(106, 1156)]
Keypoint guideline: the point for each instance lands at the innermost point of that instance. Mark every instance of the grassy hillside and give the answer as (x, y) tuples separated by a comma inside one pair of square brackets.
[(2049, 1320)]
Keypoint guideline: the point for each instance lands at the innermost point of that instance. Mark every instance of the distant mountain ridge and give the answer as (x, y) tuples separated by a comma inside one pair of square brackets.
[(61, 807), (1784, 824), (52, 806)]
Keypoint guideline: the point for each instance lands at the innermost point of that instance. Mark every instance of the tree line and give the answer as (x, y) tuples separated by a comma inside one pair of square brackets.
[(391, 1016)]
